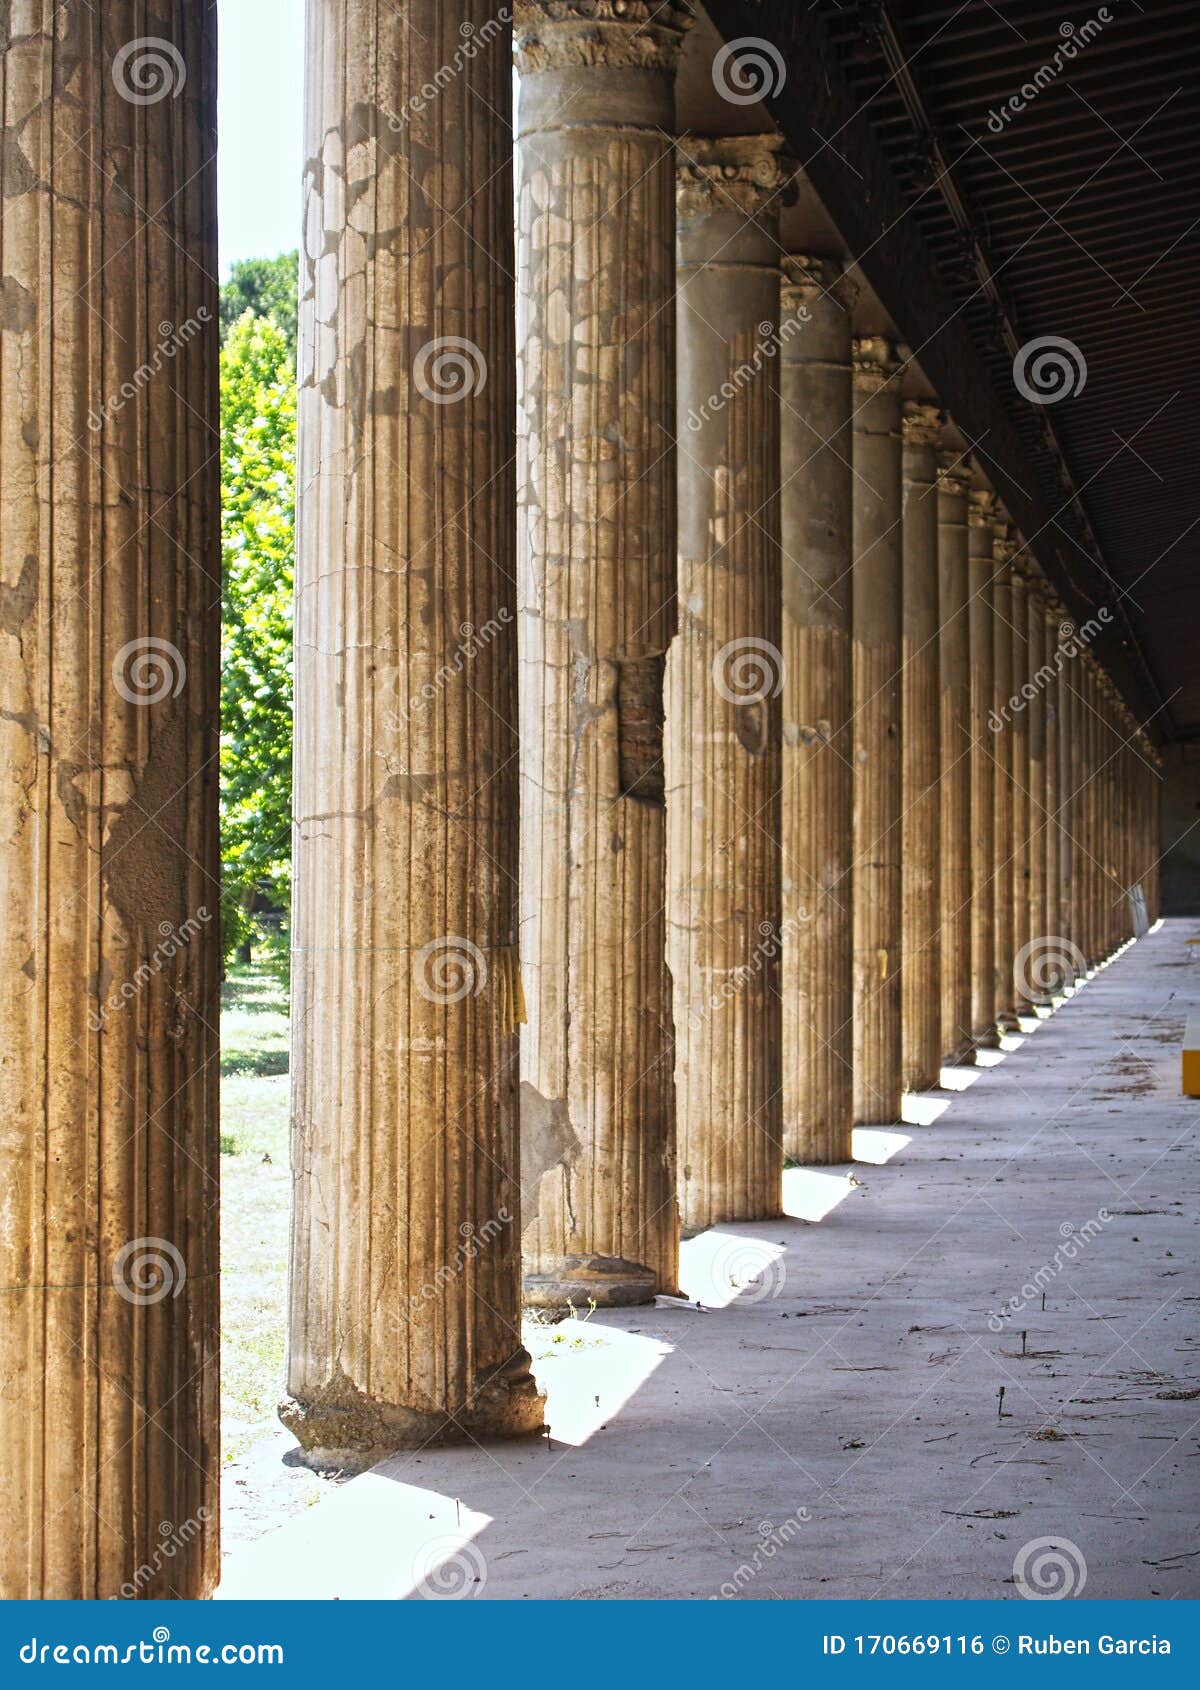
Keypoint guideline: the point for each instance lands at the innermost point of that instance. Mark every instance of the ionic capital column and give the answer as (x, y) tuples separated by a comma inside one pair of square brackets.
[(877, 590), (981, 567), (920, 973), (818, 774), (1002, 725), (405, 1308), (110, 582), (597, 544), (724, 678), (954, 660)]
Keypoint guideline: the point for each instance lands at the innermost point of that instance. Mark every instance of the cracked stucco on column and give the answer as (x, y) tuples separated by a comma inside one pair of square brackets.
[(596, 345), (109, 641), (405, 1277)]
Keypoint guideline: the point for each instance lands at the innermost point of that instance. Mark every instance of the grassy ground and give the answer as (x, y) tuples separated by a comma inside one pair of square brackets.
[(254, 1204)]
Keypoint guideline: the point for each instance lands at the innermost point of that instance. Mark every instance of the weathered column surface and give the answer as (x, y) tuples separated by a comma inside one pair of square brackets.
[(724, 678), (877, 609), (818, 774), (954, 661), (406, 1212), (1054, 630), (1019, 757), (920, 970), (1002, 731), (1039, 936), (596, 342), (109, 640), (981, 568)]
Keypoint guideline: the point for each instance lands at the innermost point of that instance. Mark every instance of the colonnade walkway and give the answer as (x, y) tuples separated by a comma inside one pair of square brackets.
[(831, 1423)]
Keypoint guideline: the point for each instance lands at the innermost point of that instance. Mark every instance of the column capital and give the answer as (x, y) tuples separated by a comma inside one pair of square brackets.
[(805, 274), (922, 423), (563, 34), (981, 511), (954, 474), (731, 173), (875, 362), (1005, 542)]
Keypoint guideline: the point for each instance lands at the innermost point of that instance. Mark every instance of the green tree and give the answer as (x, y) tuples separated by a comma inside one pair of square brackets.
[(268, 288), (258, 468)]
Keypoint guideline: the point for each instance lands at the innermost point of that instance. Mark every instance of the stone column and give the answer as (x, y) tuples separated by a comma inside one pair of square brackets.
[(954, 661), (1003, 731), (817, 771), (1075, 680), (1036, 638), (920, 950), (1066, 846), (983, 785), (724, 679), (1019, 846), (878, 626), (596, 342), (405, 1306), (1055, 628), (109, 650)]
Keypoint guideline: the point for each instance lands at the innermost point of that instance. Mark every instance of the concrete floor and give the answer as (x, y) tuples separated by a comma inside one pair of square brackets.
[(835, 1427)]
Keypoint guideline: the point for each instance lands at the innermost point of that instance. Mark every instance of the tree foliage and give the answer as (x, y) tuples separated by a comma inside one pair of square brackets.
[(268, 288), (258, 468)]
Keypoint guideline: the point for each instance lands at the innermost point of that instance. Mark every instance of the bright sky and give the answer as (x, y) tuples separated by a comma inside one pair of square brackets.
[(260, 116)]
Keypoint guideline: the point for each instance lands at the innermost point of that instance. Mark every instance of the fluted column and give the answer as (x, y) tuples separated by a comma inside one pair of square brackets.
[(1019, 846), (1074, 681), (724, 679), (878, 626), (954, 663), (920, 950), (1003, 731), (983, 770), (109, 641), (1035, 633), (405, 1263), (596, 342), (817, 771), (1056, 629), (1063, 816)]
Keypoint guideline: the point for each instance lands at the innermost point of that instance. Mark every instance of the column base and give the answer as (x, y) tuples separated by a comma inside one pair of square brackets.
[(609, 1282), (340, 1426)]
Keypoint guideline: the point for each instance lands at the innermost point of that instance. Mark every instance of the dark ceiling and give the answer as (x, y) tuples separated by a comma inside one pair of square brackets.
[(983, 226)]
